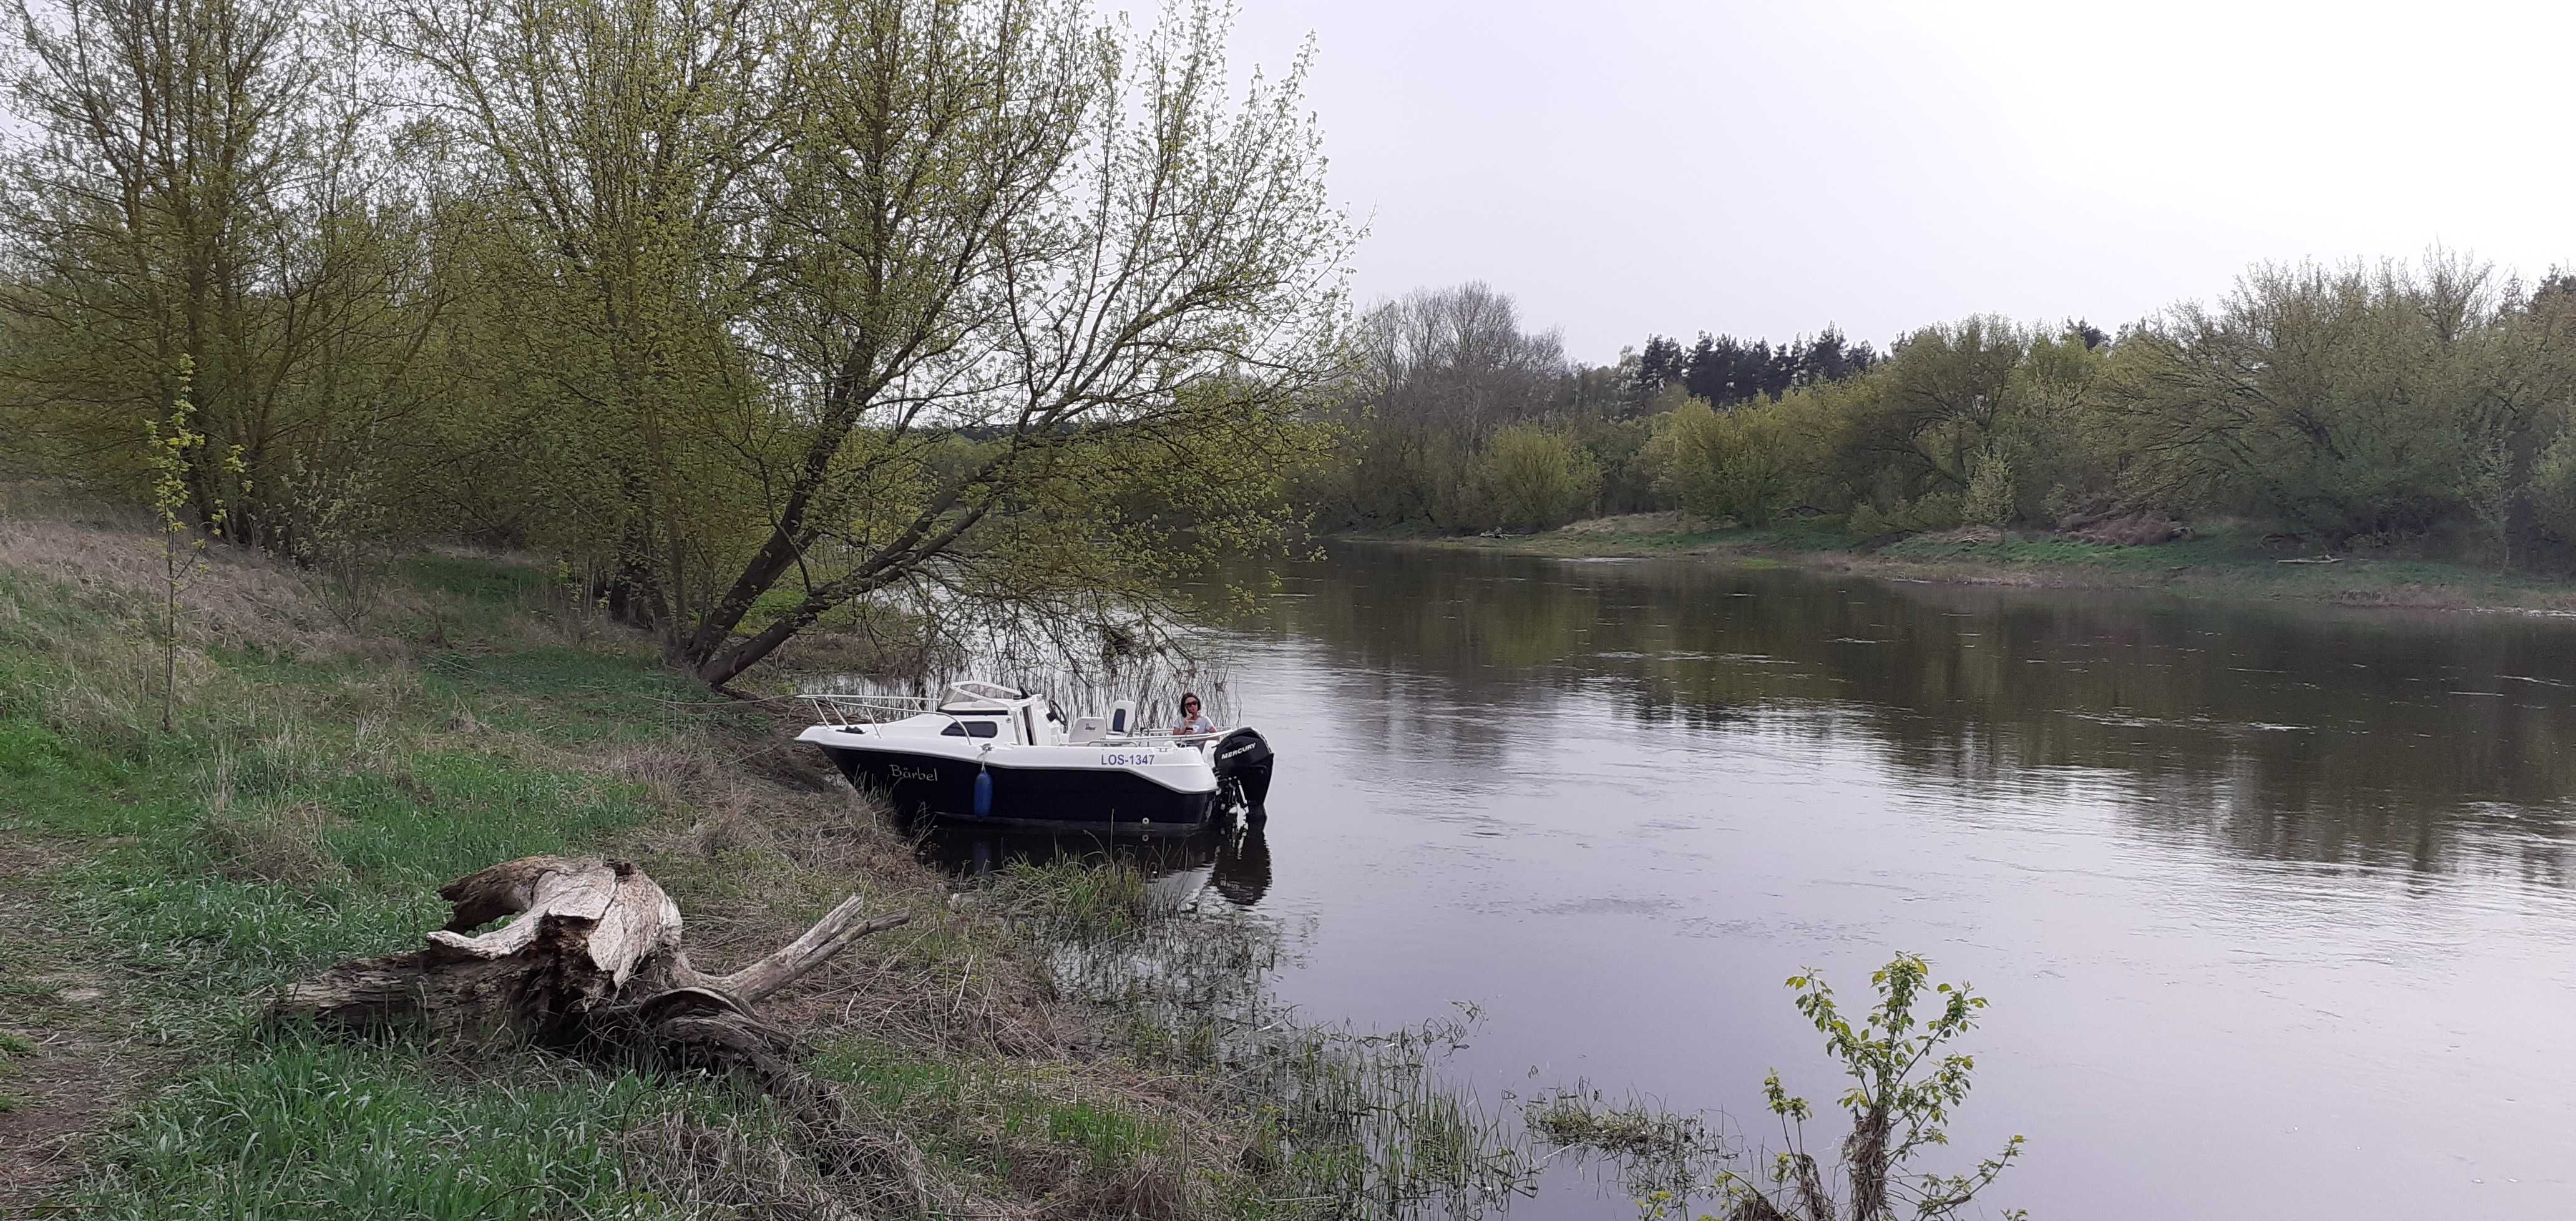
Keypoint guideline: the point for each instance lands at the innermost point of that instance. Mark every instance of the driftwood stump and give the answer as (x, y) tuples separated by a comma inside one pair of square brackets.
[(593, 965)]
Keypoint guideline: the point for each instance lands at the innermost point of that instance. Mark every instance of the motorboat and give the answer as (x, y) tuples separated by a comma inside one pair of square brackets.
[(989, 753)]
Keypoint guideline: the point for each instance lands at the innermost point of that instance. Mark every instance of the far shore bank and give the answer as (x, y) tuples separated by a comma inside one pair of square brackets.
[(2216, 565)]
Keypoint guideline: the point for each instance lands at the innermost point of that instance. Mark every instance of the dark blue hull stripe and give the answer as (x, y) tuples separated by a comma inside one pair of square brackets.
[(1039, 797)]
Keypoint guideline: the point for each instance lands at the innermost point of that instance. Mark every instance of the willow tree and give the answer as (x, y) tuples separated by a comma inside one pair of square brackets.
[(970, 301), (614, 151), (1438, 372), (1043, 294), (2354, 401), (201, 202)]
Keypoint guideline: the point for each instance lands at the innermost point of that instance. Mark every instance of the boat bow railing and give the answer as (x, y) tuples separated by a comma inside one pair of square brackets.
[(847, 711), (869, 711)]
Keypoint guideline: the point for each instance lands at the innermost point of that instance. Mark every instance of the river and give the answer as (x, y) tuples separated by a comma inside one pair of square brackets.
[(2272, 902)]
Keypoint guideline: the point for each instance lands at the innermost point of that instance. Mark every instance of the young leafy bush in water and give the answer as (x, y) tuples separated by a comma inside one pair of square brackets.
[(1903, 1089)]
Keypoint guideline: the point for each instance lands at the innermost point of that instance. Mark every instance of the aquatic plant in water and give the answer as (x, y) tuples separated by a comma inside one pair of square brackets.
[(1904, 1087), (1346, 1124)]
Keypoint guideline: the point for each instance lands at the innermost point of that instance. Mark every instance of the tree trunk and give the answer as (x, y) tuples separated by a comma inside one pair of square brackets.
[(592, 965)]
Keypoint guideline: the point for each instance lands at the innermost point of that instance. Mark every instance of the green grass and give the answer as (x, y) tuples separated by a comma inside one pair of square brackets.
[(239, 854), (299, 1129), (2237, 562), (1793, 535), (13, 1048), (491, 583), (300, 812), (2224, 562), (1078, 900), (2191, 552), (979, 1116), (1112, 1137), (890, 1076)]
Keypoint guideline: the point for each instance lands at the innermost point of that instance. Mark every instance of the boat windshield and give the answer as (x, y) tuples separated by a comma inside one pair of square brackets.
[(976, 690)]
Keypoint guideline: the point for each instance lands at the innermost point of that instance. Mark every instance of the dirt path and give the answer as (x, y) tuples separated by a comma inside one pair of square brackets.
[(67, 1057)]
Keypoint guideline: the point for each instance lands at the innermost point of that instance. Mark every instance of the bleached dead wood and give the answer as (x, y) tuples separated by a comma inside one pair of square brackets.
[(592, 961)]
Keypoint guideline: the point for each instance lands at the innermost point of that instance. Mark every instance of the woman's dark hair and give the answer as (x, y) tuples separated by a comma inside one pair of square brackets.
[(1191, 697)]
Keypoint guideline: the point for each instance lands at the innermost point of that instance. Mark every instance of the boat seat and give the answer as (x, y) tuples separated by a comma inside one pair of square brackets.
[(1087, 731)]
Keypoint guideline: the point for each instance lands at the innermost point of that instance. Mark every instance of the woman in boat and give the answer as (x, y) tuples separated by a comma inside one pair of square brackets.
[(1191, 719)]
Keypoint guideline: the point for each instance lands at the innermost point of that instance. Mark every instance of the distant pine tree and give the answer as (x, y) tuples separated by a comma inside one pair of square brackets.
[(1705, 377), (1658, 366), (1780, 367), (1826, 359), (1729, 372)]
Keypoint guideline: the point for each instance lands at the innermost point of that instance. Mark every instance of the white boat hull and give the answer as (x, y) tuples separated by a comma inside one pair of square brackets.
[(1142, 788)]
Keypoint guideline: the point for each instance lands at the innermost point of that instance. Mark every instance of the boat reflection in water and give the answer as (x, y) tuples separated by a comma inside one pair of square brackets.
[(1231, 856)]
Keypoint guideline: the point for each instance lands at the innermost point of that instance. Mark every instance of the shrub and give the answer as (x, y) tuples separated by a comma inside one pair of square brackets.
[(2553, 487), (1989, 499), (1726, 464), (1904, 1083), (1903, 1086), (1536, 478)]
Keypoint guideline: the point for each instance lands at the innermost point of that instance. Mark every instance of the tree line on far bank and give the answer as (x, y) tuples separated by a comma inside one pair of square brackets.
[(2423, 404), (1451, 416)]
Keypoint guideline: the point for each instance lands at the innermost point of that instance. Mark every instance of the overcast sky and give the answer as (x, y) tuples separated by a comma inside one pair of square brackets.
[(1768, 168)]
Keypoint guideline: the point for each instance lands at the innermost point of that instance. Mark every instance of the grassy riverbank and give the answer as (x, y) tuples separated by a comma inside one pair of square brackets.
[(2223, 563), (333, 754)]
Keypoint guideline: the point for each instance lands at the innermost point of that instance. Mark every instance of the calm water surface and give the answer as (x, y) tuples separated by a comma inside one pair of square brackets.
[(2273, 902)]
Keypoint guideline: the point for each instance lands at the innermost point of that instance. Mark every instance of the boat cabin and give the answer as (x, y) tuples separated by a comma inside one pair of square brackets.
[(1012, 717)]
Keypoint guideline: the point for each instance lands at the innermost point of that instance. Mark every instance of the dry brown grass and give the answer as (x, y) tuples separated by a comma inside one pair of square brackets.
[(759, 842), (1634, 523), (119, 666), (229, 597), (280, 844), (699, 1168), (235, 598)]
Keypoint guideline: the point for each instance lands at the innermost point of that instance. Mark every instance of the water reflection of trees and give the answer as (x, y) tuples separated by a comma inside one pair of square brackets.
[(2305, 734)]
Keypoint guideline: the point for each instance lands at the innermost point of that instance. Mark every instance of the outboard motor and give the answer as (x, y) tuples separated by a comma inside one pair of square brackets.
[(1242, 761)]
